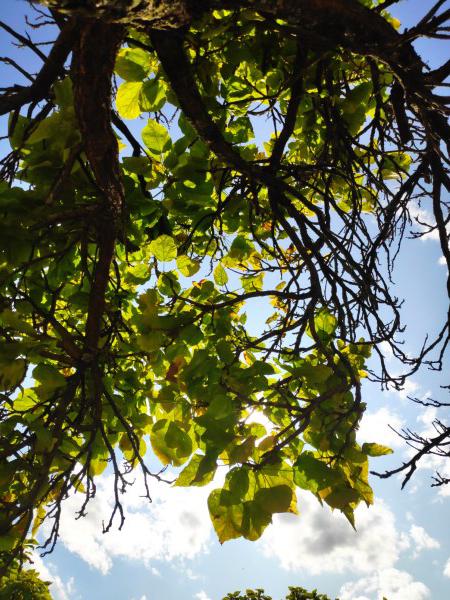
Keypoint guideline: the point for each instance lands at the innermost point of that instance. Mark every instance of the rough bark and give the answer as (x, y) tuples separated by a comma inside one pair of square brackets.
[(93, 65), (159, 13), (336, 22)]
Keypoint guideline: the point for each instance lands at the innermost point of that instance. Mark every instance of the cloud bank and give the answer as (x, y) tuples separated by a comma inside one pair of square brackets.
[(175, 525)]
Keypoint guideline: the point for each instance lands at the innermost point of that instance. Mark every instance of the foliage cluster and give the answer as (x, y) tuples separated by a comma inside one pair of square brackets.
[(24, 585), (295, 593), (131, 260)]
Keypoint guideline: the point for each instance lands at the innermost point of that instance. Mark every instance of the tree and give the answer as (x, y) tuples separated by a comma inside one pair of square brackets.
[(249, 595), (17, 583), (129, 259), (24, 585), (295, 593)]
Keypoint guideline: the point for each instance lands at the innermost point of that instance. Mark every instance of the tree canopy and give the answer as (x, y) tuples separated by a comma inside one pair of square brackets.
[(295, 593), (23, 585), (174, 168)]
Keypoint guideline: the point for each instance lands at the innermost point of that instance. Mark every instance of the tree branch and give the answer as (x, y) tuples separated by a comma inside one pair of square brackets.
[(51, 70), (93, 65)]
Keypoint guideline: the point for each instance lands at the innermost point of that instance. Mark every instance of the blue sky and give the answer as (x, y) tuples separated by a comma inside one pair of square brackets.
[(168, 551)]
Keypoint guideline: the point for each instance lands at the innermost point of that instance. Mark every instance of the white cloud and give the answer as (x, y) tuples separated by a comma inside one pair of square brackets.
[(320, 541), (427, 417), (432, 462), (191, 575), (410, 388), (386, 350), (175, 525), (444, 490), (375, 428), (447, 568), (413, 488), (421, 540), (422, 218), (442, 261), (390, 583), (154, 571), (201, 595), (60, 590)]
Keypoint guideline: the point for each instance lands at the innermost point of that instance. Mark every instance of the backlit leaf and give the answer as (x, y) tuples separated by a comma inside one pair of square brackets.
[(372, 449), (156, 138), (12, 374), (187, 266), (132, 64), (164, 248), (127, 99), (220, 275)]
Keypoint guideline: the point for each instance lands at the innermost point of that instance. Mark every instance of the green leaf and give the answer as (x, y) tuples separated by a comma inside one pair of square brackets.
[(64, 93), (240, 249), (275, 499), (220, 275), (25, 401), (127, 99), (12, 374), (220, 406), (240, 453), (255, 520), (8, 541), (44, 440), (153, 95), (199, 471), (18, 126), (342, 498), (238, 483), (156, 138), (150, 342), (313, 374), (187, 266), (13, 319), (225, 351), (312, 474), (246, 503), (168, 283), (253, 283), (132, 64), (358, 95), (225, 516), (325, 325), (372, 449), (171, 444), (97, 466), (141, 165), (47, 129), (48, 375), (164, 248)]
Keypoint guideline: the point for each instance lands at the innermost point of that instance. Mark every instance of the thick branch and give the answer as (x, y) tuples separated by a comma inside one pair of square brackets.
[(51, 70), (292, 109), (93, 65)]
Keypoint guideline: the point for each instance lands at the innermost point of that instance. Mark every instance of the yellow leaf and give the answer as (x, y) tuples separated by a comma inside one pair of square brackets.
[(127, 99), (38, 519)]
